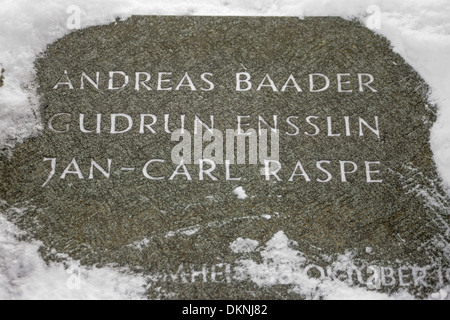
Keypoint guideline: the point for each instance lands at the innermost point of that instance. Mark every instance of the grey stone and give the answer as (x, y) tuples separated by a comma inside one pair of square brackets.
[(100, 221)]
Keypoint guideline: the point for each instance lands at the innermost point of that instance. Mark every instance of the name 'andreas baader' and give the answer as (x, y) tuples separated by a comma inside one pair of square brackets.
[(243, 81)]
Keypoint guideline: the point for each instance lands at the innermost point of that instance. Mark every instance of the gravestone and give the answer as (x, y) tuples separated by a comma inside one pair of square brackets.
[(354, 171)]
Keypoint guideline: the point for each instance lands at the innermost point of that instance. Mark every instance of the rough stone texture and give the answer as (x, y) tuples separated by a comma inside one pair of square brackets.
[(96, 221), (2, 77)]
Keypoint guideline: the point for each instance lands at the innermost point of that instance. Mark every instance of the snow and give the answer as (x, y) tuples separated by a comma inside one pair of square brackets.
[(282, 264), (24, 275), (441, 295), (419, 30), (139, 245), (240, 193), (244, 245), (186, 232)]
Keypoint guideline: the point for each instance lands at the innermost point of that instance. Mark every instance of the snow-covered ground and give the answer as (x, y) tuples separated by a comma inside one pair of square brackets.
[(419, 31), (24, 275)]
